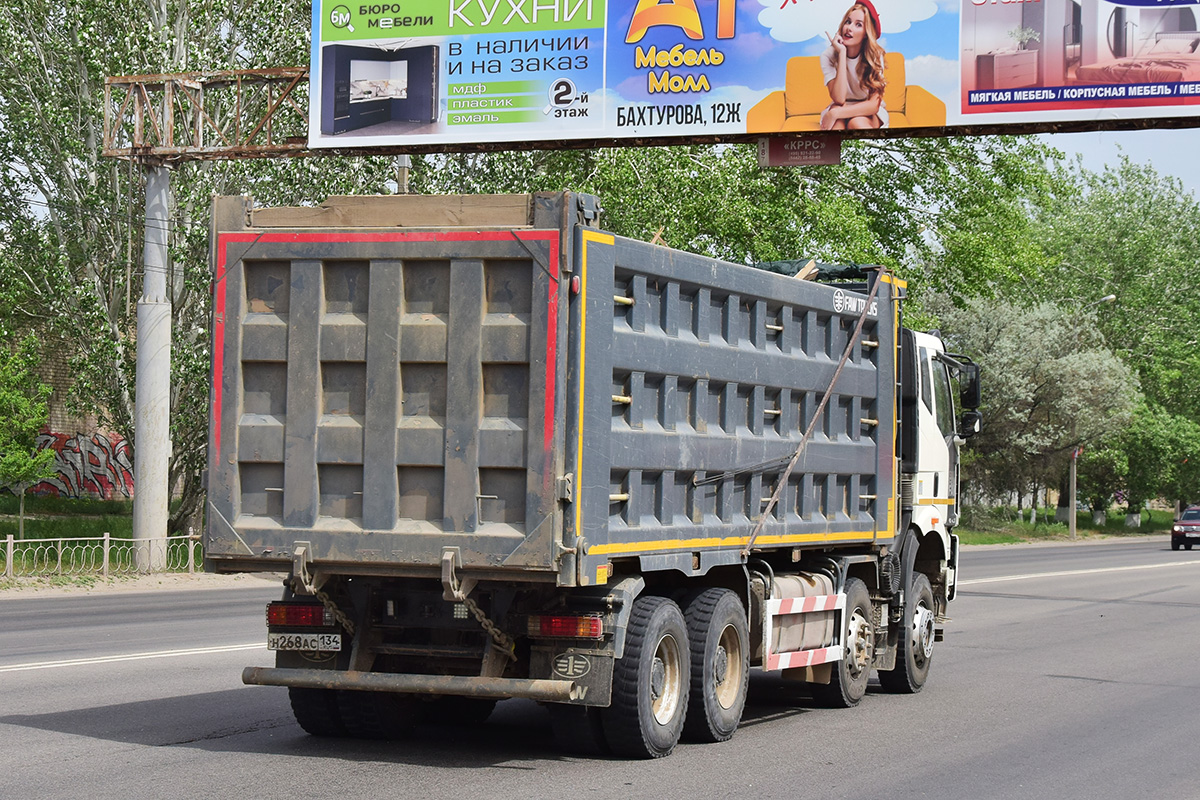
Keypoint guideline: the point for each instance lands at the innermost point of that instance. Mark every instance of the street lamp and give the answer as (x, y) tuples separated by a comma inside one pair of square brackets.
[(1108, 298)]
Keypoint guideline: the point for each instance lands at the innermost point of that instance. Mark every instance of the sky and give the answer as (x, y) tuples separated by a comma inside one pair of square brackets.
[(1170, 152)]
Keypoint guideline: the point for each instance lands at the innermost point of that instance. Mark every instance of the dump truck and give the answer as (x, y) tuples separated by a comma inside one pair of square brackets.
[(496, 451)]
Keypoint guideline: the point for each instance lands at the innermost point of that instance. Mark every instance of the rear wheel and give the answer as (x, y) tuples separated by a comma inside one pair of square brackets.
[(848, 682), (720, 656), (317, 711), (916, 641), (455, 710), (1187, 545), (650, 682), (377, 715)]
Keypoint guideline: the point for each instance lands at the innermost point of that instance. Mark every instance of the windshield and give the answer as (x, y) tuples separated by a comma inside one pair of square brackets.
[(1191, 513)]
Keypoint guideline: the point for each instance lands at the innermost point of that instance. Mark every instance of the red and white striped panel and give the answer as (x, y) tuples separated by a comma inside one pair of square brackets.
[(804, 605), (801, 605), (804, 658)]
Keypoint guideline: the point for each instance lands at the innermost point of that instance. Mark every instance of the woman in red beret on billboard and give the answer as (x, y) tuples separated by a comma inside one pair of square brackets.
[(853, 70)]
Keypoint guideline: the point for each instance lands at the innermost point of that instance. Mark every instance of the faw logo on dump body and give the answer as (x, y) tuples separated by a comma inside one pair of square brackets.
[(847, 303)]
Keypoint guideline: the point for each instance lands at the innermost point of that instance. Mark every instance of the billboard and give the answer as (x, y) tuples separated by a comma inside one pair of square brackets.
[(441, 74)]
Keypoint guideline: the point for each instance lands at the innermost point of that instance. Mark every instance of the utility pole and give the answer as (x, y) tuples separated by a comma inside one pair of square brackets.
[(158, 120), (152, 402)]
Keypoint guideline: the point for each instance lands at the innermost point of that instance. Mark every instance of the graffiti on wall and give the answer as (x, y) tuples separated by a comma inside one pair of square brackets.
[(99, 466)]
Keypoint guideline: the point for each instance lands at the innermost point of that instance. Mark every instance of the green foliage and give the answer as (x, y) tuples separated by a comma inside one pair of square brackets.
[(1131, 232), (52, 505), (1101, 472), (23, 413), (71, 221), (1051, 386), (1162, 449), (70, 527), (895, 202), (1000, 525), (1128, 231)]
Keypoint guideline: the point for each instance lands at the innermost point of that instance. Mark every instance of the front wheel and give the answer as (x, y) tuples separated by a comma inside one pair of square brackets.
[(916, 641), (848, 682), (650, 682)]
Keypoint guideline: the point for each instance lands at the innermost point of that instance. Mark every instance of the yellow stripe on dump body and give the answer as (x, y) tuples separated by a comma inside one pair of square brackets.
[(589, 237), (625, 548)]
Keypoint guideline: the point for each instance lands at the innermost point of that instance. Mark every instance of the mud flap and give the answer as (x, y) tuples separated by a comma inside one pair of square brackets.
[(590, 670)]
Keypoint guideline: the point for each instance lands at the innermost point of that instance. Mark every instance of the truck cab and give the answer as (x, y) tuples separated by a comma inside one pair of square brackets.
[(932, 430)]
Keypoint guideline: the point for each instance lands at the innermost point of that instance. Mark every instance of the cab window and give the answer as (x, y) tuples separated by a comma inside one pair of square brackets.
[(942, 399), (926, 391)]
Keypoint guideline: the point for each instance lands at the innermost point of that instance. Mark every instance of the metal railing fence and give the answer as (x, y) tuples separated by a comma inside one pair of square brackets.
[(100, 555)]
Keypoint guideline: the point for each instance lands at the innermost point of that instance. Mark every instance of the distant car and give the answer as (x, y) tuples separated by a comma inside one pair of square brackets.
[(1186, 530)]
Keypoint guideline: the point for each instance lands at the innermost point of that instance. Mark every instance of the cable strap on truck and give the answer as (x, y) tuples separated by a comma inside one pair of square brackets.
[(781, 484)]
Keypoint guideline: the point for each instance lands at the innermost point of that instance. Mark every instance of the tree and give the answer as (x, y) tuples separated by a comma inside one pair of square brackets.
[(1162, 449), (1051, 386), (23, 413), (950, 210), (1102, 472), (1128, 231), (71, 220)]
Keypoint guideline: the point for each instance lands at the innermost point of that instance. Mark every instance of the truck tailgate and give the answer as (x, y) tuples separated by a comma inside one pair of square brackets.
[(381, 395)]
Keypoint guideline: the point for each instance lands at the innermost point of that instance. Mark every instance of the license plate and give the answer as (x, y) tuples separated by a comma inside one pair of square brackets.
[(1192, 535), (319, 642)]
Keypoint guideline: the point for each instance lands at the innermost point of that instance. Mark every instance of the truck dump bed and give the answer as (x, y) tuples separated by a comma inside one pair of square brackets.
[(398, 376)]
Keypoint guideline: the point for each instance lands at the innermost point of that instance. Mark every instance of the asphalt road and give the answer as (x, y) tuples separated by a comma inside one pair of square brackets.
[(1068, 672)]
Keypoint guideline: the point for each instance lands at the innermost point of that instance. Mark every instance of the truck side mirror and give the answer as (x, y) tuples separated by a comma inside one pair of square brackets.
[(970, 395), (970, 424)]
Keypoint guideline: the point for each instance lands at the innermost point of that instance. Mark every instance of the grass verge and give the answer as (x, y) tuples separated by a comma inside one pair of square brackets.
[(1002, 526)]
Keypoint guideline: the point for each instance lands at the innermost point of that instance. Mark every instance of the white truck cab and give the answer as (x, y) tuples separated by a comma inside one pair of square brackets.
[(932, 432)]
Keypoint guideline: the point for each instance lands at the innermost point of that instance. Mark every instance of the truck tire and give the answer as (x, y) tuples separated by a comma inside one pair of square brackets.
[(915, 650), (848, 681), (650, 682), (578, 730), (316, 711), (378, 715), (455, 710), (720, 654)]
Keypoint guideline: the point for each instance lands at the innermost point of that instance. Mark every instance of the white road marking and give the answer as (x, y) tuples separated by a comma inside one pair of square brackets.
[(1130, 568), (77, 662)]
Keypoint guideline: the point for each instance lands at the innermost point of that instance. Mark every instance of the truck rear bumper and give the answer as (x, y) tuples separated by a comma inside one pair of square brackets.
[(540, 690)]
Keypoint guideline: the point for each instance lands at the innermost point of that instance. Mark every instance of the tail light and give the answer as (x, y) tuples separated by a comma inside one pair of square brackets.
[(298, 615), (557, 626)]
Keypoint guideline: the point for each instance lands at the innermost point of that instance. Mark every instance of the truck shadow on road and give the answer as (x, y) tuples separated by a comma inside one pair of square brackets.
[(258, 720)]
